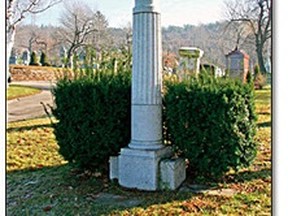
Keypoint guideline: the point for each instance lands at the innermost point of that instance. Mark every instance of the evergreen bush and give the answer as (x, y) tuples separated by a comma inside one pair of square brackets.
[(249, 78), (212, 123), (34, 59), (94, 117), (44, 59), (259, 78)]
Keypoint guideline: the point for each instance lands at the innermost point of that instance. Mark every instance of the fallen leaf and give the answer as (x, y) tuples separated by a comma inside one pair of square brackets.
[(47, 208)]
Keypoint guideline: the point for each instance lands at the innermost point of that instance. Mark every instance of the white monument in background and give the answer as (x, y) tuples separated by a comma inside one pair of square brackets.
[(143, 164), (189, 60), (26, 57)]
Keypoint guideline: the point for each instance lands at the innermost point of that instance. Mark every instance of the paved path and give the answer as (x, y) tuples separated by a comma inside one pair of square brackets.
[(30, 107)]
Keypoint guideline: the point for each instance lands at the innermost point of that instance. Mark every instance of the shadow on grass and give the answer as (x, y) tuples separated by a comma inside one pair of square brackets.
[(35, 86), (248, 176), (264, 124), (63, 191), (26, 127), (264, 113)]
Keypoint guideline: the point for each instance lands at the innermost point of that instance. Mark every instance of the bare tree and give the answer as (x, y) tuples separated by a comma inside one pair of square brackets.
[(17, 10), (257, 15), (79, 27), (100, 39), (37, 38)]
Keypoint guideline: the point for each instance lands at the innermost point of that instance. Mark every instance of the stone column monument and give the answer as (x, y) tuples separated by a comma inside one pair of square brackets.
[(146, 77), (138, 165)]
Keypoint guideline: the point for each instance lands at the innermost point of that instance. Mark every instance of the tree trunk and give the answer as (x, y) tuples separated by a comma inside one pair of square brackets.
[(10, 42), (69, 60), (259, 50), (10, 33)]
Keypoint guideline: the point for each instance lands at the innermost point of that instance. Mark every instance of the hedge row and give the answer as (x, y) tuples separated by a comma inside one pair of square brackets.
[(209, 121)]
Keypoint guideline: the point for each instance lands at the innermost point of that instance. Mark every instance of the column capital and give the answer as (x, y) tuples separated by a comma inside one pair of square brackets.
[(144, 6)]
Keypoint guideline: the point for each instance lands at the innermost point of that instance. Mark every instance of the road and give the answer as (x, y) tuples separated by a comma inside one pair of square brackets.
[(30, 106)]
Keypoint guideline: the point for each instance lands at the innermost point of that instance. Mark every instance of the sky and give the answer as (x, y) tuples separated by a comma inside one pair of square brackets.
[(119, 12)]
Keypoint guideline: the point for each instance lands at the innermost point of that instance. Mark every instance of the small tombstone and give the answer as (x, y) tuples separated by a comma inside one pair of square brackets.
[(268, 67), (13, 59), (82, 59), (82, 56), (62, 52), (190, 59), (213, 69), (26, 57), (237, 63), (268, 62), (63, 55)]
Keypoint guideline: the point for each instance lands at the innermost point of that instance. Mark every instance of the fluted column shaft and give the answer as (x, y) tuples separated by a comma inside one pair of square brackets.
[(146, 77)]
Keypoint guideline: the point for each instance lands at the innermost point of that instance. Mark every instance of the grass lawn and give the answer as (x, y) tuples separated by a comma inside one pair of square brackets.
[(16, 91), (40, 182)]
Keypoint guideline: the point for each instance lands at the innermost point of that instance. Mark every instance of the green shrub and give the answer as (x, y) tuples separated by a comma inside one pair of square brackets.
[(34, 59), (259, 81), (249, 78), (259, 78), (44, 60), (212, 123), (94, 117), (209, 121)]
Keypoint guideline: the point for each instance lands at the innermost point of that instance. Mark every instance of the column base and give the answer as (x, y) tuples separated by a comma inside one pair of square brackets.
[(146, 145), (140, 168), (148, 170)]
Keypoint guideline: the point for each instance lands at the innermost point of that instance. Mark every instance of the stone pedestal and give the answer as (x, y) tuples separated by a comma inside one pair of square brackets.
[(139, 163), (113, 168), (140, 168), (173, 173)]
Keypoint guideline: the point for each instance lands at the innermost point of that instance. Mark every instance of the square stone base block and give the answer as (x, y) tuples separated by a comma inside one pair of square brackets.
[(173, 173), (140, 168), (148, 170)]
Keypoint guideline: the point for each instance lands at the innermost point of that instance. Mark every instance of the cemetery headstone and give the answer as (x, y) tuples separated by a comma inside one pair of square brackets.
[(237, 63), (268, 67), (63, 55), (189, 60), (26, 57), (13, 59)]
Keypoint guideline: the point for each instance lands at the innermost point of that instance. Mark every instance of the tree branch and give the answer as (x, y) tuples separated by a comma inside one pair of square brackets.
[(29, 8)]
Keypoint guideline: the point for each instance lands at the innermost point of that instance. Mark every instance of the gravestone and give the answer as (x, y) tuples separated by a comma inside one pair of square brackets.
[(268, 67), (237, 63), (13, 59), (82, 56), (189, 60), (26, 57), (138, 165), (211, 68), (63, 55)]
